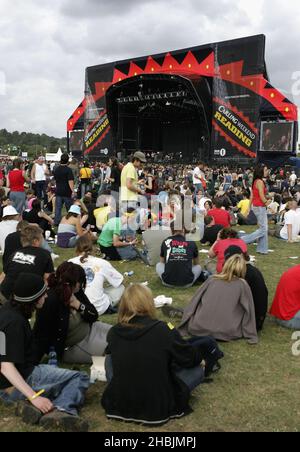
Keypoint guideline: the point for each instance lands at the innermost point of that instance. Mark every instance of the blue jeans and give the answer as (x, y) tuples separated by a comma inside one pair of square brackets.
[(261, 234), (161, 268), (18, 199), (60, 202), (65, 388), (40, 191), (293, 324), (191, 377)]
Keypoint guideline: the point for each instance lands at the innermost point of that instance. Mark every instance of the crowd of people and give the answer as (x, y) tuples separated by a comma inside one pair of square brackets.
[(158, 214)]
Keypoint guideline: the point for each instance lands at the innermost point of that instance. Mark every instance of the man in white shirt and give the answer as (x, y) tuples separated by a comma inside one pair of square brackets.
[(8, 225), (293, 179), (198, 175), (291, 228), (98, 272), (39, 174)]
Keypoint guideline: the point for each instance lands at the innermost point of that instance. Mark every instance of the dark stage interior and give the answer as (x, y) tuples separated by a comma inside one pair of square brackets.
[(163, 115)]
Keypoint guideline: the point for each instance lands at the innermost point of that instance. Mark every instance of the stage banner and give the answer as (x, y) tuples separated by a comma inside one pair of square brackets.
[(234, 134), (235, 122)]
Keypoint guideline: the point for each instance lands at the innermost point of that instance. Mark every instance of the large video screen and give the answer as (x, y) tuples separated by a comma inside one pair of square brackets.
[(277, 136), (76, 140)]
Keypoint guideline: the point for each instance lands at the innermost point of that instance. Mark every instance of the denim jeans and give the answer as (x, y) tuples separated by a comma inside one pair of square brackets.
[(84, 188), (191, 377), (60, 202), (293, 324), (197, 270), (40, 191), (65, 388), (261, 234), (18, 200)]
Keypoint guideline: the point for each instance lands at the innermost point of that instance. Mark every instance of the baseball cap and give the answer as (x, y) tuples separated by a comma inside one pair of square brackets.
[(232, 251), (75, 209), (140, 156), (9, 211)]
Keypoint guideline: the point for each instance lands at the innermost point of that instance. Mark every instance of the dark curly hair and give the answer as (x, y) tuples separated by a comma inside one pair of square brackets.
[(64, 280)]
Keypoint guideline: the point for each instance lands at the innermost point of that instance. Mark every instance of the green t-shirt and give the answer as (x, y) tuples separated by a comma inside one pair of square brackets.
[(112, 227)]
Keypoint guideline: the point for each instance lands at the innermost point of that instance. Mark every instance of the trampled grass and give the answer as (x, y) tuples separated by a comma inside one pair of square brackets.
[(258, 388)]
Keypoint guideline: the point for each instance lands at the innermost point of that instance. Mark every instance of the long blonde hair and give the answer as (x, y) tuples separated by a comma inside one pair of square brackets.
[(234, 267), (136, 301)]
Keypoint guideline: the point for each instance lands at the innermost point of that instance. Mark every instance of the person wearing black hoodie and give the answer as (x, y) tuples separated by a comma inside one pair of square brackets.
[(151, 370), (257, 284)]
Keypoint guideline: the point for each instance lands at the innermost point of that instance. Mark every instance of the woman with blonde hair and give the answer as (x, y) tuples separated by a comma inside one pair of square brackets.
[(151, 370), (223, 307)]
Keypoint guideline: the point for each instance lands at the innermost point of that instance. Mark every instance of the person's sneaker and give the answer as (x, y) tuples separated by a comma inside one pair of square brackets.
[(172, 313), (58, 420), (28, 413)]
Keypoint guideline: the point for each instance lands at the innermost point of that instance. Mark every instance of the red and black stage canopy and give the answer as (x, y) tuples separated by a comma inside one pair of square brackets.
[(218, 94)]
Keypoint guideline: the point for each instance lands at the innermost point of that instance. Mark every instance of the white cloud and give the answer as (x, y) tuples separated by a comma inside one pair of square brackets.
[(45, 46)]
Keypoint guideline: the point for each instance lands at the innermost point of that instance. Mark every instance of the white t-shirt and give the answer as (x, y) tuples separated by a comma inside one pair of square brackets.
[(99, 271), (40, 172), (197, 173), (291, 218), (6, 228), (293, 179)]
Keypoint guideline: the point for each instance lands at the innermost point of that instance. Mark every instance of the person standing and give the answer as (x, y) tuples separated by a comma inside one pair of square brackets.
[(259, 202), (198, 177), (64, 179), (85, 179), (15, 181), (115, 180), (39, 174), (129, 181)]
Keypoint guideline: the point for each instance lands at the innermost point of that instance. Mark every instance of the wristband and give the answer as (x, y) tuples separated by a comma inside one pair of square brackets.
[(38, 394)]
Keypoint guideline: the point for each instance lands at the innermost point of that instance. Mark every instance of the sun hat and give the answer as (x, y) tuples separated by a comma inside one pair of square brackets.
[(9, 211), (75, 209), (29, 288), (140, 156)]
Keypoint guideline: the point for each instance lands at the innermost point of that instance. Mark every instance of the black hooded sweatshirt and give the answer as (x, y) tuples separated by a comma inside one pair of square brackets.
[(145, 388)]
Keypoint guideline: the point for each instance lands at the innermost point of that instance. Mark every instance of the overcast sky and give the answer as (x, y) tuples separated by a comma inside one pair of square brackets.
[(46, 45)]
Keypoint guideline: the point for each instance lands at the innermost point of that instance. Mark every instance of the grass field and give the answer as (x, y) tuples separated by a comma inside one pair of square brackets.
[(258, 388)]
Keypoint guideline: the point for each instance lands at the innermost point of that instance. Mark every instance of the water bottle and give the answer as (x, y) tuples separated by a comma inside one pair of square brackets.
[(52, 361)]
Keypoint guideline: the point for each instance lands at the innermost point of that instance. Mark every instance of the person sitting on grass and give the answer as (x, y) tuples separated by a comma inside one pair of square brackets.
[(13, 242), (257, 285), (70, 228), (38, 217), (68, 321), (226, 238), (45, 395), (219, 214), (8, 225), (286, 303), (111, 243), (223, 307), (98, 273), (30, 259), (211, 231), (291, 229), (179, 266), (151, 370)]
